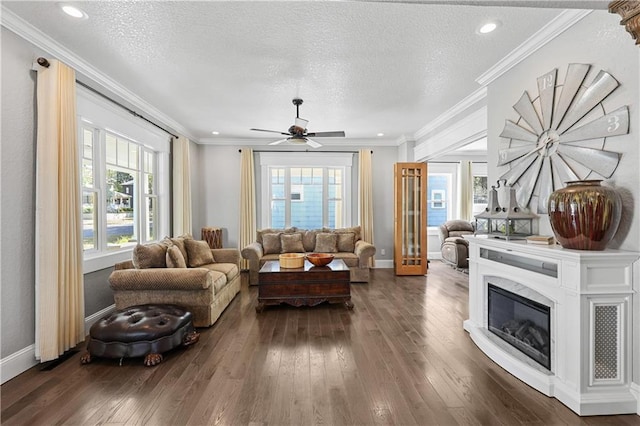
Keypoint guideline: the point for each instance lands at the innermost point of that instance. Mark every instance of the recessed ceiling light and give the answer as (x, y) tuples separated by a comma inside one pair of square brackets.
[(488, 27), (73, 11), (215, 133), (380, 134)]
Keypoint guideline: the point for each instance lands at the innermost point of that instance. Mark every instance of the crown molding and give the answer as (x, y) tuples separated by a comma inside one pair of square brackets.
[(334, 142), (477, 96), (17, 25), (565, 20)]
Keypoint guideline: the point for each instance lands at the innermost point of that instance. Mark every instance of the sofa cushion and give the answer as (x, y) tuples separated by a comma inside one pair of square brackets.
[(152, 255), (309, 239), (271, 243), (346, 242), (230, 270), (326, 242), (354, 229), (199, 253), (291, 243), (175, 259), (260, 233)]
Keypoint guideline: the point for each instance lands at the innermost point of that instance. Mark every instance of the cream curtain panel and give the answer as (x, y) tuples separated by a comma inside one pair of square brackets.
[(181, 187), (366, 198), (247, 201), (466, 191), (58, 264)]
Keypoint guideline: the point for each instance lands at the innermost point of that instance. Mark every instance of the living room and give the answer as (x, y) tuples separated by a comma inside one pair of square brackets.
[(594, 38)]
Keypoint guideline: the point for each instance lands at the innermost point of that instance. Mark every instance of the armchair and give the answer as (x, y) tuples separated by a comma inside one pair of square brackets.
[(454, 248)]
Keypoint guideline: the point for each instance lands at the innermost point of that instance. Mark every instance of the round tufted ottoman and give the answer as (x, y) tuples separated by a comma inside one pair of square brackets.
[(143, 330)]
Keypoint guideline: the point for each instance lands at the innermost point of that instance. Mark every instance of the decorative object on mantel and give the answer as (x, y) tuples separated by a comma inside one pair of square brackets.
[(630, 12), (585, 215), (566, 143), (504, 222), (540, 239)]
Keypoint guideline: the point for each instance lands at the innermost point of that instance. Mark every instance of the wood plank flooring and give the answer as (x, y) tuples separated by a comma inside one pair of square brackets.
[(400, 357)]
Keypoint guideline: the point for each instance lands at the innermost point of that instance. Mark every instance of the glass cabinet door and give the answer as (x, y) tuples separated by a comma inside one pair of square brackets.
[(410, 228)]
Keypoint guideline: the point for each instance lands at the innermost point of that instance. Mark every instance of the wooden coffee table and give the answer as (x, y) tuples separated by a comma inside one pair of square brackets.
[(306, 286)]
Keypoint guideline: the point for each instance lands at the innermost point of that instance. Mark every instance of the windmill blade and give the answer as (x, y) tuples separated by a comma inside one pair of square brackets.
[(602, 162), (278, 142), (524, 107), (271, 131), (600, 88), (313, 144), (572, 82), (545, 184), (613, 124), (513, 174), (336, 134), (546, 90), (529, 182), (511, 154), (562, 172), (513, 131)]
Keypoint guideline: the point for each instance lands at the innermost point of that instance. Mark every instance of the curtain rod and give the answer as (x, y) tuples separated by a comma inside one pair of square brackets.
[(311, 152), (45, 63)]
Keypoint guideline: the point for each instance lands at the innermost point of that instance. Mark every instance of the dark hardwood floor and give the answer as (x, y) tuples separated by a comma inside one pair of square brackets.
[(399, 357)]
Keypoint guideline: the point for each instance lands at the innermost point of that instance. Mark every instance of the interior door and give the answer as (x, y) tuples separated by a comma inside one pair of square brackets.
[(410, 227)]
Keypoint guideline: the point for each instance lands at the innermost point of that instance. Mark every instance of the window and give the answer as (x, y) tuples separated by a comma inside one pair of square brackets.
[(480, 187), (441, 202), (118, 211), (304, 192), (124, 182)]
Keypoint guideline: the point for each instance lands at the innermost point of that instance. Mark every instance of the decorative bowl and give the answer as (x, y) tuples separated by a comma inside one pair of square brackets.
[(292, 260), (320, 259)]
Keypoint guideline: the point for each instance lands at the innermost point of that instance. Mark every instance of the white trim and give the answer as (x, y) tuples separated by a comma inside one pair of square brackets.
[(319, 159), (326, 143), (17, 363), (384, 264), (14, 23), (565, 20), (635, 391), (467, 130), (103, 260), (477, 96)]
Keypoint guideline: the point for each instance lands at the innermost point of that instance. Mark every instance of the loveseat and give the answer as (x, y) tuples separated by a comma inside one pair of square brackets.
[(343, 243), (180, 271)]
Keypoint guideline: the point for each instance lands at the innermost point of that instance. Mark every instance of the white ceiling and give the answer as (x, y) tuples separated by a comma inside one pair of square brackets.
[(362, 67)]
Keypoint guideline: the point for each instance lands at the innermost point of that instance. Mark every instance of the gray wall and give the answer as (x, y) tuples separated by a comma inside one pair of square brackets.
[(219, 183), (17, 236)]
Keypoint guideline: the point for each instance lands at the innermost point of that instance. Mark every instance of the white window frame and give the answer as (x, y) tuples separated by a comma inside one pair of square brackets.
[(270, 160), (445, 169), (441, 200), (95, 112)]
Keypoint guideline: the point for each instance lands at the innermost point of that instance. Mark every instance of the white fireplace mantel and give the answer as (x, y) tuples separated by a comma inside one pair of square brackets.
[(591, 296)]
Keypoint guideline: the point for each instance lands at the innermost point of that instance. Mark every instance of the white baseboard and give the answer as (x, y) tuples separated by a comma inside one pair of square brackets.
[(17, 363), (24, 359), (382, 264), (635, 391)]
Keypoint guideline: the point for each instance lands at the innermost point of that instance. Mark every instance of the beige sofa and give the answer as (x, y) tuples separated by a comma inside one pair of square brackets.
[(180, 271), (343, 243)]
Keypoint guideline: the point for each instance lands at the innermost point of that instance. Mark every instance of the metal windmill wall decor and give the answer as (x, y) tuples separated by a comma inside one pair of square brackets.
[(561, 135)]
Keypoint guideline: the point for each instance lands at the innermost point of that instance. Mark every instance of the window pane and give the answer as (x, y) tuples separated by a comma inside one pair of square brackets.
[(149, 161), (306, 209), (123, 153), (121, 227), (148, 188), (89, 221), (133, 156), (480, 190), (335, 214), (87, 172), (438, 205), (149, 214), (277, 213), (87, 143), (112, 149)]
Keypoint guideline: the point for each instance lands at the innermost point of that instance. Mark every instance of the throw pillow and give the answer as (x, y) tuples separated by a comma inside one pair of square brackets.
[(347, 242), (262, 232), (309, 239), (175, 259), (326, 242), (198, 253), (179, 241), (291, 243), (152, 255), (354, 229), (271, 243)]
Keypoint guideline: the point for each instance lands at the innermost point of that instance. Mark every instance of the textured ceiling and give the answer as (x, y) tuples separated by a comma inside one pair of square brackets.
[(361, 67)]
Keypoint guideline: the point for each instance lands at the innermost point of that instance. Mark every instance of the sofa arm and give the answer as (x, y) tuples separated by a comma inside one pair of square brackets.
[(127, 264), (364, 251), (227, 255), (253, 252), (162, 279)]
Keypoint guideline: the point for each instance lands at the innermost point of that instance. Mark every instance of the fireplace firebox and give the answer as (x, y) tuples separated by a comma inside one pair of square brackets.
[(521, 322)]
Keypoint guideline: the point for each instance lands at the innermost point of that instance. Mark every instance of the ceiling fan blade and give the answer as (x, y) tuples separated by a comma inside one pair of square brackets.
[(271, 131), (278, 142), (337, 134), (313, 144)]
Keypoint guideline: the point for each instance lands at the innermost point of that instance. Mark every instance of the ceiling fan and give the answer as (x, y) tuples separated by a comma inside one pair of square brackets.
[(297, 134)]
